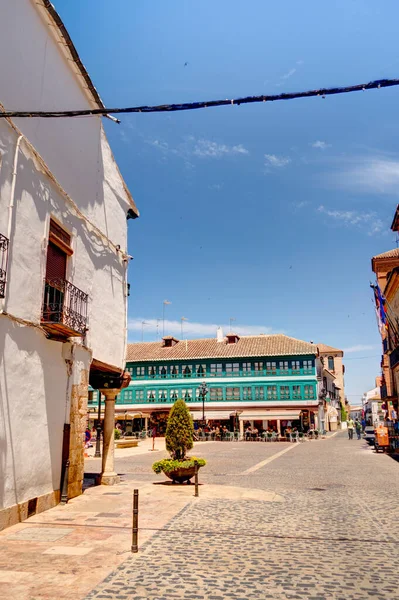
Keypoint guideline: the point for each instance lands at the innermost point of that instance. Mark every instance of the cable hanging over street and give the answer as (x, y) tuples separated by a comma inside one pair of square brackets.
[(322, 92)]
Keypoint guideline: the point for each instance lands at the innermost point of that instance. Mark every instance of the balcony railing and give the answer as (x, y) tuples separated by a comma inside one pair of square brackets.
[(3, 264), (64, 308), (240, 373)]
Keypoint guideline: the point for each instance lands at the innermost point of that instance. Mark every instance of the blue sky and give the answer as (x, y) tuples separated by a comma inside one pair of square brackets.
[(267, 213)]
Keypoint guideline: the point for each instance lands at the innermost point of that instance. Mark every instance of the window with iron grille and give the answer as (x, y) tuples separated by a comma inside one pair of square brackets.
[(271, 392), (309, 391), (284, 392), (296, 392), (139, 395), (259, 393), (216, 370), (3, 264), (271, 368), (216, 393), (140, 371)]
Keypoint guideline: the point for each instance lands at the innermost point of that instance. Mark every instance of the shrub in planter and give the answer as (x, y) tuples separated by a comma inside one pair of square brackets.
[(179, 439), (117, 433)]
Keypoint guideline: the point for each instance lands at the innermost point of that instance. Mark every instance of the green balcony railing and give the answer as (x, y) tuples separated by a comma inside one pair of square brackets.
[(240, 373)]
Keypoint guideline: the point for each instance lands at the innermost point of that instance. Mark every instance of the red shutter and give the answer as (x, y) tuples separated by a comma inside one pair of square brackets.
[(56, 262)]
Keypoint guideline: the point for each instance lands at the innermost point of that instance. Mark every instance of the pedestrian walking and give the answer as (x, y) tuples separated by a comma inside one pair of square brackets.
[(358, 427), (350, 426)]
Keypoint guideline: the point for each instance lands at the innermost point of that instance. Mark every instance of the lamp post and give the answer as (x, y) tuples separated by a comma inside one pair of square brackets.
[(203, 390), (97, 453)]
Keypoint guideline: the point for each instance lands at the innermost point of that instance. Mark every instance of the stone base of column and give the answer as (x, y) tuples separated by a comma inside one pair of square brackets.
[(110, 479)]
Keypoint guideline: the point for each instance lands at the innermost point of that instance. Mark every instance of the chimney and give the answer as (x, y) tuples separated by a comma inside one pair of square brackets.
[(219, 335)]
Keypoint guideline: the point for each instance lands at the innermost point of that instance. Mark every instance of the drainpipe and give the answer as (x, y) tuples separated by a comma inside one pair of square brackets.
[(12, 197)]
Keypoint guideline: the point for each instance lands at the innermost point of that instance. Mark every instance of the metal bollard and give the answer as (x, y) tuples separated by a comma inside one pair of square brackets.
[(196, 478), (135, 528)]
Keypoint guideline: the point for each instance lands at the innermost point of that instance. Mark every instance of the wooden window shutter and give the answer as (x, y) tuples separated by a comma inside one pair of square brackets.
[(56, 262)]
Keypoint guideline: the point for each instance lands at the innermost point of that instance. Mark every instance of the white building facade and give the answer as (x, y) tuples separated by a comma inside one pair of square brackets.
[(63, 262)]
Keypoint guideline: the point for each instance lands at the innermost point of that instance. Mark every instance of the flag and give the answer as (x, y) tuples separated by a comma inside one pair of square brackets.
[(380, 314)]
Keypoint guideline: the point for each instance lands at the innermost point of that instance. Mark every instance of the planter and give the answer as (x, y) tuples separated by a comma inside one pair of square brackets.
[(181, 475)]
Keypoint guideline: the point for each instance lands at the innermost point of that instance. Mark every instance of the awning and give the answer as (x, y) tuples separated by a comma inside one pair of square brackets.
[(213, 415), (128, 416), (270, 415)]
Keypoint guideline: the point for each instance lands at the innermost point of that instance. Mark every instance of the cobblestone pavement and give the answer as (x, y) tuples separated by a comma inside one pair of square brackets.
[(335, 535)]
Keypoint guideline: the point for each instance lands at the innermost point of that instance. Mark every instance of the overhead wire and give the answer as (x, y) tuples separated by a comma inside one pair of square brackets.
[(322, 92)]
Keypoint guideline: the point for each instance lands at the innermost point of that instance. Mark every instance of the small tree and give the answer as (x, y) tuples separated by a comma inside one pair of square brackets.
[(343, 414), (179, 431)]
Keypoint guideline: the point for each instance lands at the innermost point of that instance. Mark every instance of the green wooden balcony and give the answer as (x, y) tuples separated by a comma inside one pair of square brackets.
[(226, 374)]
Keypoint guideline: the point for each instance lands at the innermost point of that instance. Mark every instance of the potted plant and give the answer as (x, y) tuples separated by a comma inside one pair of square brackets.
[(179, 440)]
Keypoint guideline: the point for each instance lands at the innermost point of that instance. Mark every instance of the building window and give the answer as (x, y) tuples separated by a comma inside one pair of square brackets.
[(163, 372), (296, 367), (232, 368), (232, 393), (259, 393), (162, 395), (139, 395), (296, 392), (284, 392), (331, 366), (271, 368), (283, 366), (151, 372), (308, 365), (127, 396), (247, 393), (174, 371), (216, 393), (201, 370), (216, 370), (186, 369), (140, 371), (187, 395), (151, 395), (258, 366), (174, 394), (271, 392), (246, 368), (309, 392)]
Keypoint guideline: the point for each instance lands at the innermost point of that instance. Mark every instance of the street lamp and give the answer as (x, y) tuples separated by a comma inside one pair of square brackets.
[(203, 390), (97, 453)]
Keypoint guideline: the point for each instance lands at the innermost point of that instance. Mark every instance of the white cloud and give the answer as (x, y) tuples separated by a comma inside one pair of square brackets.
[(206, 148), (271, 160), (358, 348), (191, 328), (201, 148), (321, 145), (301, 204), (375, 175), (352, 218), (289, 74)]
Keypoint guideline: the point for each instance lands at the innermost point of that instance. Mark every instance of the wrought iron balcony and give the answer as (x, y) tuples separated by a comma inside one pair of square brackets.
[(64, 309), (3, 264)]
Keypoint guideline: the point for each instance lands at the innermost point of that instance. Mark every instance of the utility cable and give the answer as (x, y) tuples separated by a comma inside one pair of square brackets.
[(323, 92)]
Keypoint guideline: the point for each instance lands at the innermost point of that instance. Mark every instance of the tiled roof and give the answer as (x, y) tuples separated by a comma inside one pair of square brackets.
[(394, 253), (253, 345), (324, 348)]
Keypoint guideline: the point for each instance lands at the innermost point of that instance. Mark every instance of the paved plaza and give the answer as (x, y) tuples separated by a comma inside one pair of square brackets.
[(273, 520)]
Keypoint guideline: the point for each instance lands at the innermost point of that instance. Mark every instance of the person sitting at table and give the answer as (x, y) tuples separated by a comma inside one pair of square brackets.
[(248, 433), (254, 433)]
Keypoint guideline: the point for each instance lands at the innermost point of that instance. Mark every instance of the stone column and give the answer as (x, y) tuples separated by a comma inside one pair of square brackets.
[(146, 423), (108, 475), (278, 426), (241, 422)]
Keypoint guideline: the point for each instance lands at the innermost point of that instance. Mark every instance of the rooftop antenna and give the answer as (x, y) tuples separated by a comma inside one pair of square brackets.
[(165, 302), (182, 329), (142, 329)]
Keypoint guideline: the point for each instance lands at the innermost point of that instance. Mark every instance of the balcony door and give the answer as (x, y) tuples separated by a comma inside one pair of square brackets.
[(55, 283)]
